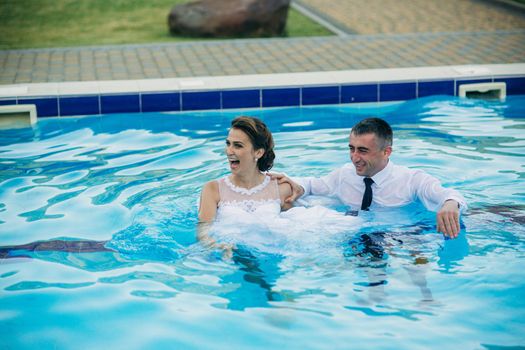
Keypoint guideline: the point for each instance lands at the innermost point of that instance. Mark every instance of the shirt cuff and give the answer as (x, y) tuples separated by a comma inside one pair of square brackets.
[(461, 203), (304, 183)]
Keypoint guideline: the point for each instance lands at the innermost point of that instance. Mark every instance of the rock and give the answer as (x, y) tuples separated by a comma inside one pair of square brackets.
[(229, 18)]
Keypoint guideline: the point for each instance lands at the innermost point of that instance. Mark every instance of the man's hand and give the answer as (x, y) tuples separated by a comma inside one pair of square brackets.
[(297, 190), (448, 219)]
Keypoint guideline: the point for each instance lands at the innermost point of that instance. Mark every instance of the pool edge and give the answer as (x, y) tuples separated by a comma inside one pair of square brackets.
[(256, 91)]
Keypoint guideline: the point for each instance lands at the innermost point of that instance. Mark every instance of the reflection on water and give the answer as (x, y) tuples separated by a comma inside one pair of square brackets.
[(99, 213)]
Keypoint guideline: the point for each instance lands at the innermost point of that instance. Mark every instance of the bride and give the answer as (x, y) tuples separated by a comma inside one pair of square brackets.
[(248, 189)]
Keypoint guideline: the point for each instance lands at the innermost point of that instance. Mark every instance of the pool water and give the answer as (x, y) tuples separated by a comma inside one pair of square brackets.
[(98, 236)]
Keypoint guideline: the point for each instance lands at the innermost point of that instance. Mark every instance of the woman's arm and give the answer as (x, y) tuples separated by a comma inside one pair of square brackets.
[(207, 210), (209, 202)]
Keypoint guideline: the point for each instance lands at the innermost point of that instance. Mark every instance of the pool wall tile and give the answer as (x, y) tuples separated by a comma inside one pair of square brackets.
[(241, 99), (323, 95), (79, 105), (359, 93), (7, 102), (397, 91), (120, 103), (515, 86), (160, 102), (45, 106), (428, 88), (193, 101), (281, 97)]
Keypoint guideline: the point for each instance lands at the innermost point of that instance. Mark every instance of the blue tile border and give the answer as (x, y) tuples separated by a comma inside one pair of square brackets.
[(281, 97), (7, 102), (441, 87), (193, 101), (359, 93), (120, 103), (274, 96), (320, 95), (79, 105), (45, 106), (160, 102), (515, 86), (397, 91), (241, 99)]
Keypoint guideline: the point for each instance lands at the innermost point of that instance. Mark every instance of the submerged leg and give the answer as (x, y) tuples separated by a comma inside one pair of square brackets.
[(370, 253)]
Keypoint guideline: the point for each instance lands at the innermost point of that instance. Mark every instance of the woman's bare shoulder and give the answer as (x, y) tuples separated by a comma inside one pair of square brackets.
[(211, 187), (213, 184)]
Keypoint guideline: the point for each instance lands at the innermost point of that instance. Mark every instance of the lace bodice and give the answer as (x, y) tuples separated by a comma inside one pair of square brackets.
[(263, 199)]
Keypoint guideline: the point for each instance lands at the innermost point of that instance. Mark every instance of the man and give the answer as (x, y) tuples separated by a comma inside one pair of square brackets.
[(373, 180)]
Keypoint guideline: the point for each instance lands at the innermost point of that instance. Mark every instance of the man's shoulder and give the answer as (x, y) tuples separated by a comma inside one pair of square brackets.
[(401, 168), (405, 171)]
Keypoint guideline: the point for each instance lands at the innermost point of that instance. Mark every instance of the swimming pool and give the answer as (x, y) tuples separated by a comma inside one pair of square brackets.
[(383, 280)]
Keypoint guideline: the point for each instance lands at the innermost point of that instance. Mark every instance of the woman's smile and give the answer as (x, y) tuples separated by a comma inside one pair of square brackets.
[(234, 164)]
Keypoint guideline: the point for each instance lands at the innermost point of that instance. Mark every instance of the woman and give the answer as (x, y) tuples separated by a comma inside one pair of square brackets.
[(249, 150)]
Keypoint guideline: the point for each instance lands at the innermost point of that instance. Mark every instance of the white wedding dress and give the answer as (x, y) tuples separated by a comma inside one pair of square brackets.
[(253, 218), (260, 202)]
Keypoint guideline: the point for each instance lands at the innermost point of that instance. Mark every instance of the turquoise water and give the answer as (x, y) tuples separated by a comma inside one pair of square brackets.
[(103, 211)]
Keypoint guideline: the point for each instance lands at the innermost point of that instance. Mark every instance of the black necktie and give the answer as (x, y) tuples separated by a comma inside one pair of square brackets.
[(367, 197)]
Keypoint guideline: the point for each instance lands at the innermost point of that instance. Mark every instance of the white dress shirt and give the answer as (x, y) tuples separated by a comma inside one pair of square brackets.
[(394, 186)]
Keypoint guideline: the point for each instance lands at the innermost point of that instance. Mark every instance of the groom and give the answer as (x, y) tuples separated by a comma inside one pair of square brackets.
[(372, 180)]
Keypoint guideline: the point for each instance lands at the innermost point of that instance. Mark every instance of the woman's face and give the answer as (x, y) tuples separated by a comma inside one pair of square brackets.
[(240, 152)]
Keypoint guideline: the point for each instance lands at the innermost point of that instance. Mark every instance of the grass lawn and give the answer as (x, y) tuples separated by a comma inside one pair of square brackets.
[(59, 23)]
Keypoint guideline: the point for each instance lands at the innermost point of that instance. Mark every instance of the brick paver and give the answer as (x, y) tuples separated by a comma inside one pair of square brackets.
[(418, 16), (444, 32)]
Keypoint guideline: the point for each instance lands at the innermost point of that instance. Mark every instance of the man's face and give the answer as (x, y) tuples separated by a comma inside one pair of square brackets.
[(367, 156)]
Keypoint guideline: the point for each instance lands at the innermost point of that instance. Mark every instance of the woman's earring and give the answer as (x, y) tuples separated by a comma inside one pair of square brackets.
[(256, 159)]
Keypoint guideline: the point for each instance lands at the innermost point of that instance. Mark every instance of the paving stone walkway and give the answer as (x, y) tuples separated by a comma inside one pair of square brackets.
[(391, 33), (418, 16)]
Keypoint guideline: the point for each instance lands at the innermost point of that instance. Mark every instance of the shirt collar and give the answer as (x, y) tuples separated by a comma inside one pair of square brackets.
[(384, 174)]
